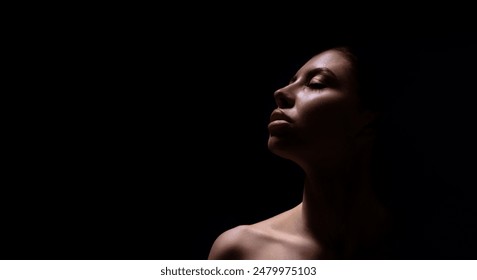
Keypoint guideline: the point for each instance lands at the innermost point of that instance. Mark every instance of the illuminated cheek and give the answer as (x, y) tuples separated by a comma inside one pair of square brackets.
[(325, 118), (320, 110)]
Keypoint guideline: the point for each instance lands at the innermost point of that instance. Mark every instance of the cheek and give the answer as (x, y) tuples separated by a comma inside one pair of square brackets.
[(325, 117)]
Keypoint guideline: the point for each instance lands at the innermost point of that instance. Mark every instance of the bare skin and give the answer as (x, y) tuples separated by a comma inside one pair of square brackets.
[(321, 125)]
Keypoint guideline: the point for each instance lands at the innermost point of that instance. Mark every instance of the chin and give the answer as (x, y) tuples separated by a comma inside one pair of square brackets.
[(280, 146)]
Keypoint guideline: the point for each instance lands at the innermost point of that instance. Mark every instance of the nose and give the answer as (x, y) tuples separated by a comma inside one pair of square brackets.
[(284, 98)]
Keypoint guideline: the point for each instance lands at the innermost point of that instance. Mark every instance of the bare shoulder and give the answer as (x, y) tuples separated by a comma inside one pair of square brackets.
[(230, 244), (255, 240)]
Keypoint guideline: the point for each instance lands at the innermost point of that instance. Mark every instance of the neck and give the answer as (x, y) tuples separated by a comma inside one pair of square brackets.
[(340, 209)]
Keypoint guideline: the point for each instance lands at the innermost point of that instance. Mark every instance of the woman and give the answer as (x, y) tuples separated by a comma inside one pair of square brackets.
[(325, 122)]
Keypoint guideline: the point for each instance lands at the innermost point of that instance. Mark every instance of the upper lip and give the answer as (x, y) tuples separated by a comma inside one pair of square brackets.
[(279, 115)]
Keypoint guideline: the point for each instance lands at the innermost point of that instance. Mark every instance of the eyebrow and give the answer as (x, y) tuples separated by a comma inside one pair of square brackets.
[(318, 71)]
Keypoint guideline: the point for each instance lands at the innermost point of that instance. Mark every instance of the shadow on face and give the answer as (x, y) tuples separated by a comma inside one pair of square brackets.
[(319, 113)]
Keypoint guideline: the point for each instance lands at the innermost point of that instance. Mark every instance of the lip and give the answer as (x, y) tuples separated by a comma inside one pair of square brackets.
[(278, 115), (279, 127), (280, 123)]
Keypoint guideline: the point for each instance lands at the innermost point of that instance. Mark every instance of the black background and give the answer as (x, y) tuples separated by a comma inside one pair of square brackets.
[(140, 141)]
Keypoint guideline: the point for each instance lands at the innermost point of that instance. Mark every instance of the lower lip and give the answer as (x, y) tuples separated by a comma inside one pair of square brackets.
[(278, 125)]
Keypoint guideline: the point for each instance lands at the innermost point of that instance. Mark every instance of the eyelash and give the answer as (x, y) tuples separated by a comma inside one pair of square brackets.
[(311, 84), (316, 85)]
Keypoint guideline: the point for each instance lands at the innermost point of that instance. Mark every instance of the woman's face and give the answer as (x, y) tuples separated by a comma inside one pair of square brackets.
[(318, 113)]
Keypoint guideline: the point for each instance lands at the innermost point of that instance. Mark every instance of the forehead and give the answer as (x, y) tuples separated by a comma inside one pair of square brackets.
[(334, 60)]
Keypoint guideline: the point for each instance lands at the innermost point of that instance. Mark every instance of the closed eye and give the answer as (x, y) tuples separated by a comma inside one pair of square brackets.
[(320, 78), (316, 85)]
